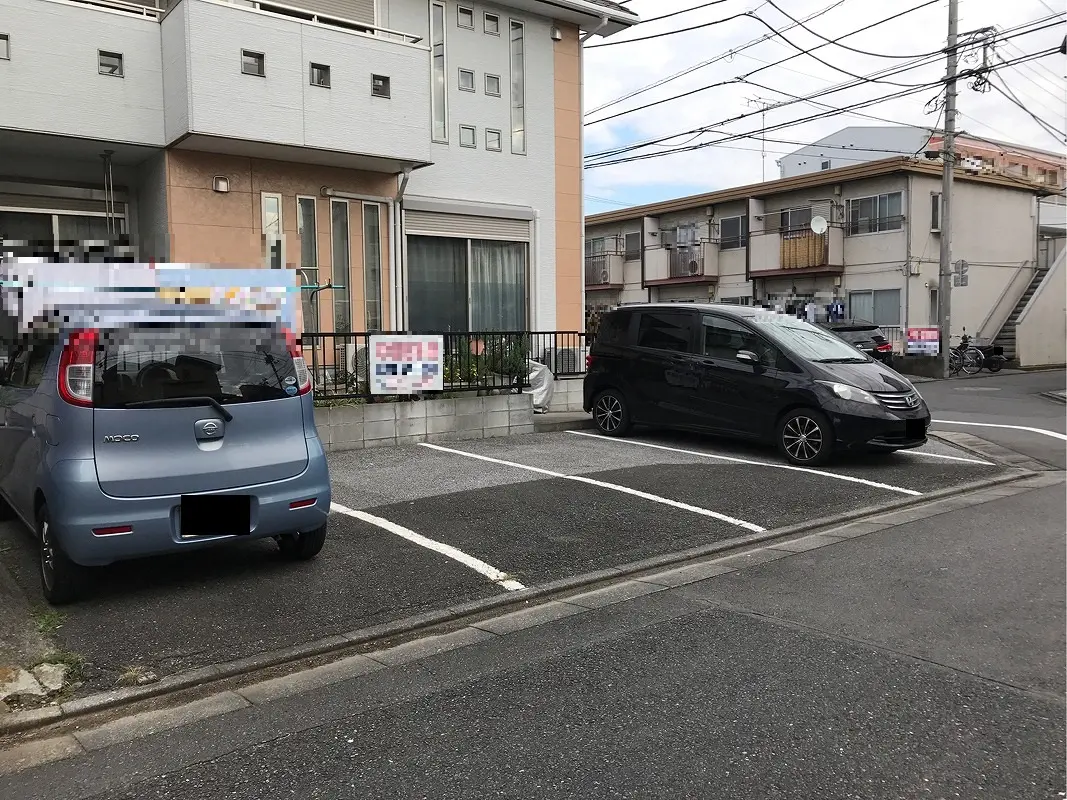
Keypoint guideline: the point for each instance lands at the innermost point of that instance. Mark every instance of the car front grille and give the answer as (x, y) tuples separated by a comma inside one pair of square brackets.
[(898, 401)]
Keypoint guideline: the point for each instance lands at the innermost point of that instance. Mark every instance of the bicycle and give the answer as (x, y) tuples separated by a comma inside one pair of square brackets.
[(967, 357)]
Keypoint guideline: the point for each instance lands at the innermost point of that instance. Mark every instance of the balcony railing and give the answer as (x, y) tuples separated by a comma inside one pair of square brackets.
[(603, 269), (326, 19), (687, 261)]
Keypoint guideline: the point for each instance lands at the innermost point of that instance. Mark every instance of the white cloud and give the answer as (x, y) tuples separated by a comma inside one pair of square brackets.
[(611, 72)]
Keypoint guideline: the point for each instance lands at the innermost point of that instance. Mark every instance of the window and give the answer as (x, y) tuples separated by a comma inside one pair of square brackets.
[(874, 214), (880, 306), (372, 265), (468, 136), (664, 331), (824, 165), (633, 246), (379, 86), (491, 24), (724, 339), (493, 140), (309, 260), (935, 212), (733, 232), (5, 47), (466, 80), (342, 311), (466, 17), (457, 284), (795, 219), (439, 86), (272, 229), (110, 63), (253, 63), (28, 361), (320, 75), (518, 89), (614, 328), (492, 85)]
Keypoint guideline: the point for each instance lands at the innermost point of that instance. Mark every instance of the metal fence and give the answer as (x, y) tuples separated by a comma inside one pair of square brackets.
[(473, 362)]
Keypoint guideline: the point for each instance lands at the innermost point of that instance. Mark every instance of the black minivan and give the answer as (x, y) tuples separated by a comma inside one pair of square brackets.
[(751, 373)]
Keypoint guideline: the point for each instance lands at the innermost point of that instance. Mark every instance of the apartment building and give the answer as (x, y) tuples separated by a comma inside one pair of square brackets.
[(859, 143), (422, 158), (865, 237)]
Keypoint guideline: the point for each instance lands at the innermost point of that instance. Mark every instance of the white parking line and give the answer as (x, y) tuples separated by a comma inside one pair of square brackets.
[(948, 458), (748, 526), (479, 566), (735, 460), (1042, 431)]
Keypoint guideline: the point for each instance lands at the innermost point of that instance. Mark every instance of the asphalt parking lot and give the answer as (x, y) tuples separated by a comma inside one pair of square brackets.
[(423, 528)]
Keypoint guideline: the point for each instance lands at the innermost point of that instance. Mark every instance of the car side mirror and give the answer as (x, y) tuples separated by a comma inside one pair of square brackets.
[(747, 357)]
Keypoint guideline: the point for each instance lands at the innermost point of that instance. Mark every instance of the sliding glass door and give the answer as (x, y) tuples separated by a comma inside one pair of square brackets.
[(457, 284)]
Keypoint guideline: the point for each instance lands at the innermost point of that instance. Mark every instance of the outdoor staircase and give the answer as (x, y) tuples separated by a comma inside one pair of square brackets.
[(1006, 337)]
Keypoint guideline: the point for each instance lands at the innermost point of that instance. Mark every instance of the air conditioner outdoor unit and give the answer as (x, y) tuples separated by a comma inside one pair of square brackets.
[(605, 275), (694, 267), (566, 360)]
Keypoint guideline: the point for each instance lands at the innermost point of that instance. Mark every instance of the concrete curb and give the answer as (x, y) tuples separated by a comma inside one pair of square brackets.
[(511, 601), (1059, 397)]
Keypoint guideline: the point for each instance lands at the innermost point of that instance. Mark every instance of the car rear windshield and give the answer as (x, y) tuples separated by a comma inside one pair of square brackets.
[(857, 335), (229, 364)]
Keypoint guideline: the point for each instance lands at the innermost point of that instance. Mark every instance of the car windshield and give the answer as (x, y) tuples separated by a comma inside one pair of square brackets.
[(228, 364), (806, 340)]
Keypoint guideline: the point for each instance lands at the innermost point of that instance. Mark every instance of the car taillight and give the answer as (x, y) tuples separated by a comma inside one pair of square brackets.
[(303, 374), (884, 348), (588, 361), (76, 364)]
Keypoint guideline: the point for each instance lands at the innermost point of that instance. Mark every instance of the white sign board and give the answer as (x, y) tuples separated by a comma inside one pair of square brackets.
[(402, 364)]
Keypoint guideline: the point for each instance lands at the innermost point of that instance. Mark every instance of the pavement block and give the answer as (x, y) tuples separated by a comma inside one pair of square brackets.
[(145, 724), (688, 574), (616, 593), (308, 680), (430, 646), (528, 617), (807, 543), (35, 753)]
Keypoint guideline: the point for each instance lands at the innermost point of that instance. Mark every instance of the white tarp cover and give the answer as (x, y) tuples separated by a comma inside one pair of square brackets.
[(541, 383)]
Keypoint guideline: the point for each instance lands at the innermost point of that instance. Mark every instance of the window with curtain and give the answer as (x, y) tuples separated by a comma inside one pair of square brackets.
[(457, 284), (498, 286), (372, 265), (733, 232), (437, 284), (339, 235), (875, 214), (309, 261)]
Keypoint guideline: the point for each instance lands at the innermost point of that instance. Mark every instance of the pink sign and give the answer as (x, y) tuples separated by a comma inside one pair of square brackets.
[(402, 364)]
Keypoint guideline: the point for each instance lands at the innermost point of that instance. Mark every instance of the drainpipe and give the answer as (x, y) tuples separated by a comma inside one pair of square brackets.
[(581, 167), (907, 263), (396, 261)]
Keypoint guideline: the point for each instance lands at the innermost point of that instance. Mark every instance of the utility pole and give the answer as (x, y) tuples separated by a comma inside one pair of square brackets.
[(948, 154), (762, 103)]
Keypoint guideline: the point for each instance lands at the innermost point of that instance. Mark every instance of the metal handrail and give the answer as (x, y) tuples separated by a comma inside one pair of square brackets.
[(996, 306)]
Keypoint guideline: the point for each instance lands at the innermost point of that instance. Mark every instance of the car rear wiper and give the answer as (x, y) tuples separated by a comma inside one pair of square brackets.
[(178, 402)]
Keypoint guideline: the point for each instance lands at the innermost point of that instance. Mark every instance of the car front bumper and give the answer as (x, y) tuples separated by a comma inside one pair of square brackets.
[(878, 428), (77, 506)]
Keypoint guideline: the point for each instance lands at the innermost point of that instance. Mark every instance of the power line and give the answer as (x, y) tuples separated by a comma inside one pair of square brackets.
[(709, 62), (791, 18), (683, 11), (1008, 93), (754, 134), (670, 32), (744, 78), (830, 90)]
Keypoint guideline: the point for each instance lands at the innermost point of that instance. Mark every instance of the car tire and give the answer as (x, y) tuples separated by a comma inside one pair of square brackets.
[(805, 437), (302, 546), (62, 581), (611, 413)]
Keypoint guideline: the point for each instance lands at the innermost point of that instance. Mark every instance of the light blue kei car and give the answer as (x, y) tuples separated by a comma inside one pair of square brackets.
[(157, 430)]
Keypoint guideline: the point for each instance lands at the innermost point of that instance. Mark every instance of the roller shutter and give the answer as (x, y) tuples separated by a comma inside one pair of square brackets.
[(427, 223)]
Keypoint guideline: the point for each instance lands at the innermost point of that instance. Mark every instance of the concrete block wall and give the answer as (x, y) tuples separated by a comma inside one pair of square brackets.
[(566, 395), (394, 424)]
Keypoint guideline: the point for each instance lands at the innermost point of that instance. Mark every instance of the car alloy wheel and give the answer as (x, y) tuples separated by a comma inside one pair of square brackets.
[(608, 413), (802, 438)]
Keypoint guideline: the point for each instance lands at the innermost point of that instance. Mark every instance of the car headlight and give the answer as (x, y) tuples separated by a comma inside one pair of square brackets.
[(846, 392)]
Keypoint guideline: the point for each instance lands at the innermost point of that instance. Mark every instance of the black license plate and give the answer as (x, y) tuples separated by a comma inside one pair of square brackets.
[(216, 515), (915, 428)]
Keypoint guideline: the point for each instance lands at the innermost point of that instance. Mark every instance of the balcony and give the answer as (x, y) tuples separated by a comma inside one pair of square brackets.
[(603, 271), (687, 263), (213, 105), (780, 253)]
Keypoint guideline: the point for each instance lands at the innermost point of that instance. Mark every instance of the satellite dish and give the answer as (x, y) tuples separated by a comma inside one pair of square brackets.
[(818, 225)]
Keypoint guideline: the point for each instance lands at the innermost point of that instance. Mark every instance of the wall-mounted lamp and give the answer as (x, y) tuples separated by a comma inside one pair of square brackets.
[(557, 34), (220, 183)]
